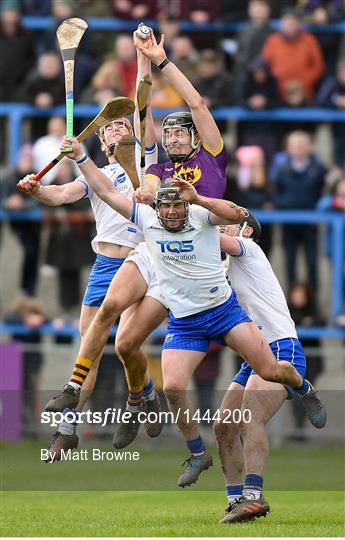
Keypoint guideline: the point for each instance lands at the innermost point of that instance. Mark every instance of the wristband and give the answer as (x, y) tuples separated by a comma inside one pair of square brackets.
[(81, 159), (163, 64)]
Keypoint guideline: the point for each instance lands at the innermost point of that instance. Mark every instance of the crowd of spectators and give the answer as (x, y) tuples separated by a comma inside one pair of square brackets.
[(256, 67)]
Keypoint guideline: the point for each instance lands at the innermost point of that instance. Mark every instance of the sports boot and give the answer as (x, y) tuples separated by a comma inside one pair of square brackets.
[(127, 432), (315, 409), (67, 399), (61, 442), (153, 424), (194, 466), (244, 509)]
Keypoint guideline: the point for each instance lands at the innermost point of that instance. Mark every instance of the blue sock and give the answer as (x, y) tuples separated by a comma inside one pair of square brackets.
[(196, 446), (303, 389), (233, 492), (149, 391), (253, 486)]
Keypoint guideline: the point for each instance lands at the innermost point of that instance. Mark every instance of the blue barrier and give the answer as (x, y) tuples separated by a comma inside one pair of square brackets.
[(16, 112), (317, 332), (111, 23), (335, 220)]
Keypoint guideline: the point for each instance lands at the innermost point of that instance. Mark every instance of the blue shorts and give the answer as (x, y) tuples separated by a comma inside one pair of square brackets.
[(194, 333), (103, 271), (289, 349)]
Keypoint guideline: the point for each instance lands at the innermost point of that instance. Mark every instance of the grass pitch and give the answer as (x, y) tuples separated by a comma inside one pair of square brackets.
[(35, 500), (166, 514)]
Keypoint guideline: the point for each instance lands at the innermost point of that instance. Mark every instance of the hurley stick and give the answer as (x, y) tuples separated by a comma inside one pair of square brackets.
[(115, 108), (69, 34), (143, 94)]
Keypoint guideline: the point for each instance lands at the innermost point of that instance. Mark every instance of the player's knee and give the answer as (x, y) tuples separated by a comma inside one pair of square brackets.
[(269, 372), (224, 431), (174, 392), (125, 347), (108, 312)]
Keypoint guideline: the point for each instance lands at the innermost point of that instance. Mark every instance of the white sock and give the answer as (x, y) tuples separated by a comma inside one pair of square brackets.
[(253, 494), (75, 386), (66, 428), (133, 408)]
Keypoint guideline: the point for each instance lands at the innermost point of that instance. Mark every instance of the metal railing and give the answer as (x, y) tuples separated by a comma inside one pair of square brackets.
[(17, 112), (336, 222), (112, 23)]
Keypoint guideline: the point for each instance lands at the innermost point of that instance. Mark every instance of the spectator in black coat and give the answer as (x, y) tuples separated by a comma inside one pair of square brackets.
[(298, 177), (17, 53), (71, 228), (250, 40), (332, 94), (43, 88), (260, 92), (28, 232), (213, 83), (17, 57)]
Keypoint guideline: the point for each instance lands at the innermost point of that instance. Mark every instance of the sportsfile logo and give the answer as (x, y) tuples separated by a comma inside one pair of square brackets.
[(175, 246)]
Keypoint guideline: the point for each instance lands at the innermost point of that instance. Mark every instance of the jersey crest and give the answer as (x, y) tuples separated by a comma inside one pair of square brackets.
[(190, 174)]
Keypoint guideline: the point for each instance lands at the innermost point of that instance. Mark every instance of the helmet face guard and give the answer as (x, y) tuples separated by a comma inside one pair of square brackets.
[(107, 137), (251, 221), (184, 122), (167, 194)]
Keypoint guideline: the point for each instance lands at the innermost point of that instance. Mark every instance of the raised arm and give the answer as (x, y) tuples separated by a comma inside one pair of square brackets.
[(52, 195), (98, 181), (221, 212), (205, 124), (144, 68)]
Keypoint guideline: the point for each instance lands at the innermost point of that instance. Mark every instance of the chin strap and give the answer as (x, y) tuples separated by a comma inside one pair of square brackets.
[(182, 157)]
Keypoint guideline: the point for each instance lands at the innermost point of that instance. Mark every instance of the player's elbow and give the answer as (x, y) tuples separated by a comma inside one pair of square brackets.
[(198, 104), (235, 215)]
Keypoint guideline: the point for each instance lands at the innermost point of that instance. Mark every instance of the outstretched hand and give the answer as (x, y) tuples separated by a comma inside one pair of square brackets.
[(152, 50), (144, 43), (187, 191)]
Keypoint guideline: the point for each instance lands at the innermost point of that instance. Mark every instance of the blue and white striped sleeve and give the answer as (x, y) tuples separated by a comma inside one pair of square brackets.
[(141, 213), (243, 248), (87, 187)]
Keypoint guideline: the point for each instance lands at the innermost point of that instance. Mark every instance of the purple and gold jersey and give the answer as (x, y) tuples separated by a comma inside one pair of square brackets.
[(205, 170)]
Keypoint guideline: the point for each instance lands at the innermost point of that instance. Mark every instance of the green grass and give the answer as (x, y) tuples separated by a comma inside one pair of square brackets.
[(141, 498), (165, 514), (310, 468)]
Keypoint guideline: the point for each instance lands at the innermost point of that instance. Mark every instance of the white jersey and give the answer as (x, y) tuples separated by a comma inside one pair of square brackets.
[(110, 225), (259, 292), (187, 263)]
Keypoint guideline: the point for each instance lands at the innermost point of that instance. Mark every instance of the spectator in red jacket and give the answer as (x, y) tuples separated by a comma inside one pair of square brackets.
[(294, 55)]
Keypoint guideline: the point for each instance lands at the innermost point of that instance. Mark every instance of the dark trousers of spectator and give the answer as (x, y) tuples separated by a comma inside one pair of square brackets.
[(339, 151), (306, 236), (69, 288), (29, 234)]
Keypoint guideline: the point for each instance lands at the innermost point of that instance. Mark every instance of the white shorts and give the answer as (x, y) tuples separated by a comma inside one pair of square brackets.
[(140, 255)]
